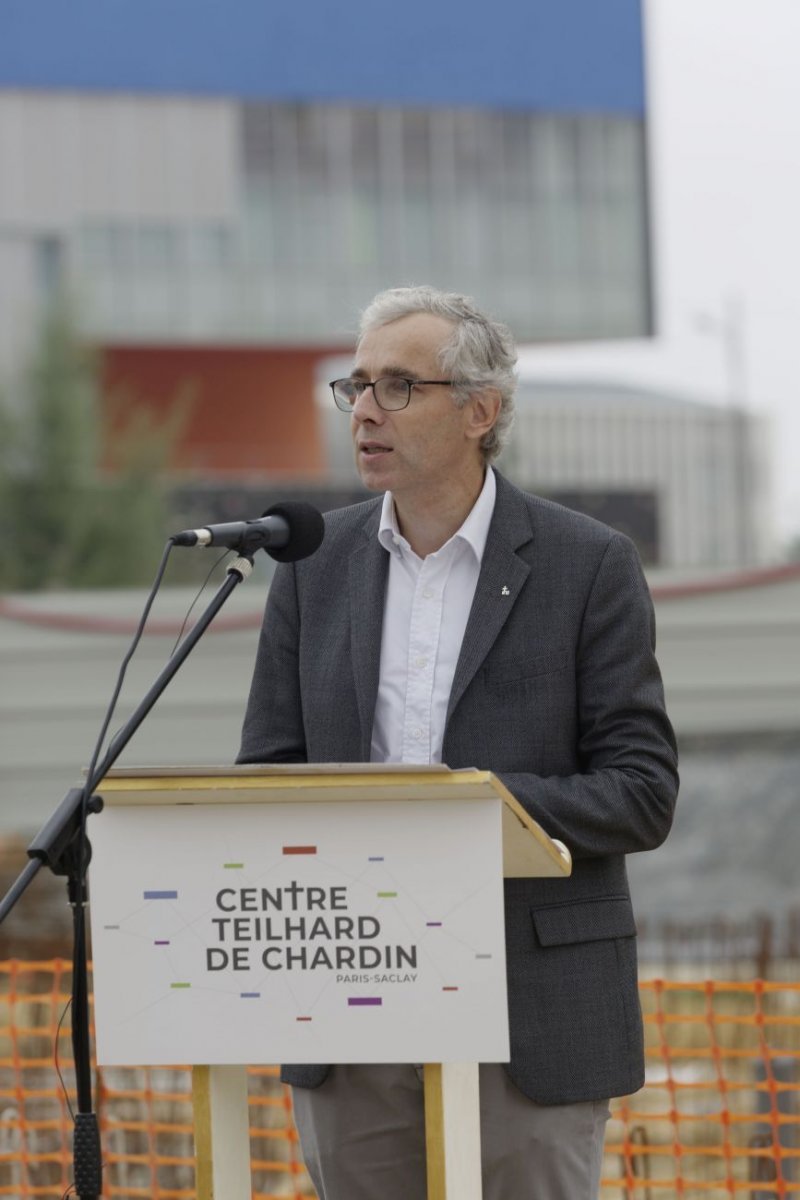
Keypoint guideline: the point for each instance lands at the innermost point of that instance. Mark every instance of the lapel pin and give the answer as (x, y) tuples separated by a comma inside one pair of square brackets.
[(505, 591)]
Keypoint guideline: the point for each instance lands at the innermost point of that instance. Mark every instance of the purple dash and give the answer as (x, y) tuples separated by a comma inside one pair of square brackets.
[(375, 858), (250, 995), (160, 943), (434, 924), (161, 895), (361, 1001)]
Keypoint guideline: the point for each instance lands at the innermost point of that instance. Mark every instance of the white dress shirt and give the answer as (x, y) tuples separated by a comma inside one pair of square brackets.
[(425, 614)]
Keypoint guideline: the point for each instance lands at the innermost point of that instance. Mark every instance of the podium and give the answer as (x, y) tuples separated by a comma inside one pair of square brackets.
[(301, 914)]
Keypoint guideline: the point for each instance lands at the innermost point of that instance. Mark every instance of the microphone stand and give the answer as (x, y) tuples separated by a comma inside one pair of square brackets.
[(61, 844)]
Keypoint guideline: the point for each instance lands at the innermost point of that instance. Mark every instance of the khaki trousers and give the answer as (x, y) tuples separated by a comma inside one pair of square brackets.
[(363, 1138)]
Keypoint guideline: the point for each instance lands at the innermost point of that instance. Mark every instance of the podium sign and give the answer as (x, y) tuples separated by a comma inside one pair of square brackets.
[(299, 932), (309, 913)]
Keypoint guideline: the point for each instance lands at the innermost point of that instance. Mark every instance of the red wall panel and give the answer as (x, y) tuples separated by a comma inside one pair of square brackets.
[(250, 409)]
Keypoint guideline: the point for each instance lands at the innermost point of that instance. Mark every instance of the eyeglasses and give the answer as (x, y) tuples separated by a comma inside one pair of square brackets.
[(391, 392)]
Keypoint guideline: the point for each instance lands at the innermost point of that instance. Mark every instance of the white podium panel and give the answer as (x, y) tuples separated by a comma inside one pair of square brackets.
[(243, 933)]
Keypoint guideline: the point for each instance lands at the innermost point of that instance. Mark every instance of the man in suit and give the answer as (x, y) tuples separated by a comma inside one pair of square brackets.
[(457, 619)]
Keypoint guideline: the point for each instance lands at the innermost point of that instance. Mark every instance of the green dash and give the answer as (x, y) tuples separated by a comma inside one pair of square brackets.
[(386, 895), (180, 985), (233, 866)]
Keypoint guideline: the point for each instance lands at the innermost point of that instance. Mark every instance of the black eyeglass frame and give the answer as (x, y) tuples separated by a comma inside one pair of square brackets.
[(363, 384)]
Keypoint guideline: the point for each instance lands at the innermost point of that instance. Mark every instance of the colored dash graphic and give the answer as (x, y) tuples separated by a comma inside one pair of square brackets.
[(434, 924), (302, 1018), (233, 866), (364, 1001), (180, 985), (386, 895), (161, 895), (160, 943), (375, 858), (449, 989), (299, 849), (249, 995)]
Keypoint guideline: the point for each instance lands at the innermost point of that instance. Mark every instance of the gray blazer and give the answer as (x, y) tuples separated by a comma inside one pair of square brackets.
[(558, 692)]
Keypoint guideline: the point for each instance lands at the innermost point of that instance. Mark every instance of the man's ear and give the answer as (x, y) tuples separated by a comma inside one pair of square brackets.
[(484, 409)]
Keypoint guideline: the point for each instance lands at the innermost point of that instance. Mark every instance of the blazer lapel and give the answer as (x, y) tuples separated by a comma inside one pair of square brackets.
[(368, 572), (502, 576)]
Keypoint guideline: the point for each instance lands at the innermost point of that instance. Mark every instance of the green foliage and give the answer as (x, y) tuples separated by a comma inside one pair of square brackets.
[(68, 518)]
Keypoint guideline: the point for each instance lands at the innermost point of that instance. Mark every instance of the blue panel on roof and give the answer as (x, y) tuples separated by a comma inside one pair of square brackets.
[(551, 55)]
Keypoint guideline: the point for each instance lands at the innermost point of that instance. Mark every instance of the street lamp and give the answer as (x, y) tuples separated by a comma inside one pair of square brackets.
[(728, 325)]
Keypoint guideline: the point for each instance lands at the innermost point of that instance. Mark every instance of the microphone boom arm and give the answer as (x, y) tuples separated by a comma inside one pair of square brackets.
[(59, 844)]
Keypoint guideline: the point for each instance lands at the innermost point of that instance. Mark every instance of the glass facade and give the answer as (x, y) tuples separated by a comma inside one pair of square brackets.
[(218, 180), (543, 217)]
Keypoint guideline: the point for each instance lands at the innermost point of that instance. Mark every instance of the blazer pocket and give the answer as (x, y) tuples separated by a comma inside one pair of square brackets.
[(586, 921), (517, 670)]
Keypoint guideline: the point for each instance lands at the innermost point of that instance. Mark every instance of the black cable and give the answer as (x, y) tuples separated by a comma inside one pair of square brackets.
[(61, 1079), (202, 588), (162, 566)]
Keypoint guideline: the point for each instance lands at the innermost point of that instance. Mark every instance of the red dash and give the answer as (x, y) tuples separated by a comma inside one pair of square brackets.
[(299, 849), (302, 1018), (449, 989)]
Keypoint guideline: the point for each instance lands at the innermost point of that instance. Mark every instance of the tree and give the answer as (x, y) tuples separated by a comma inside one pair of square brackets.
[(82, 499)]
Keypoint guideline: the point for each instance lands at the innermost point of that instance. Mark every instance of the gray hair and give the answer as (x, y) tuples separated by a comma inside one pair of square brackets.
[(480, 354)]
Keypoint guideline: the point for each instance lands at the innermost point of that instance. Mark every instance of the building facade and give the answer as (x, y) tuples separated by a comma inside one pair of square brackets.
[(250, 182), (688, 480)]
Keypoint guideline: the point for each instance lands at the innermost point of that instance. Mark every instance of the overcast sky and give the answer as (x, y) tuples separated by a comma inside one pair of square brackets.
[(724, 127)]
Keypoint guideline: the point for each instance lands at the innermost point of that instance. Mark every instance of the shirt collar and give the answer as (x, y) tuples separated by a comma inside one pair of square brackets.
[(474, 531)]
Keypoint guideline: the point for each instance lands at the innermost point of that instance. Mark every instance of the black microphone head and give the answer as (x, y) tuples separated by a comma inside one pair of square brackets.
[(306, 530)]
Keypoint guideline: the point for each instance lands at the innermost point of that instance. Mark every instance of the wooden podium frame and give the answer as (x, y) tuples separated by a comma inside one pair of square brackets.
[(452, 1115)]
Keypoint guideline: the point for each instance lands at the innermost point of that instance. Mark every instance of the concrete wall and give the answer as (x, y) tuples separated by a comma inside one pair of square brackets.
[(730, 659)]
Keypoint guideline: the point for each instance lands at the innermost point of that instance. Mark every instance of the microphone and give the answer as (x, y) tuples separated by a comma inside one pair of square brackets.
[(288, 532)]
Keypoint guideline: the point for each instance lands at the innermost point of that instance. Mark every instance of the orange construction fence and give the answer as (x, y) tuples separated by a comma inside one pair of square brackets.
[(719, 1115)]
